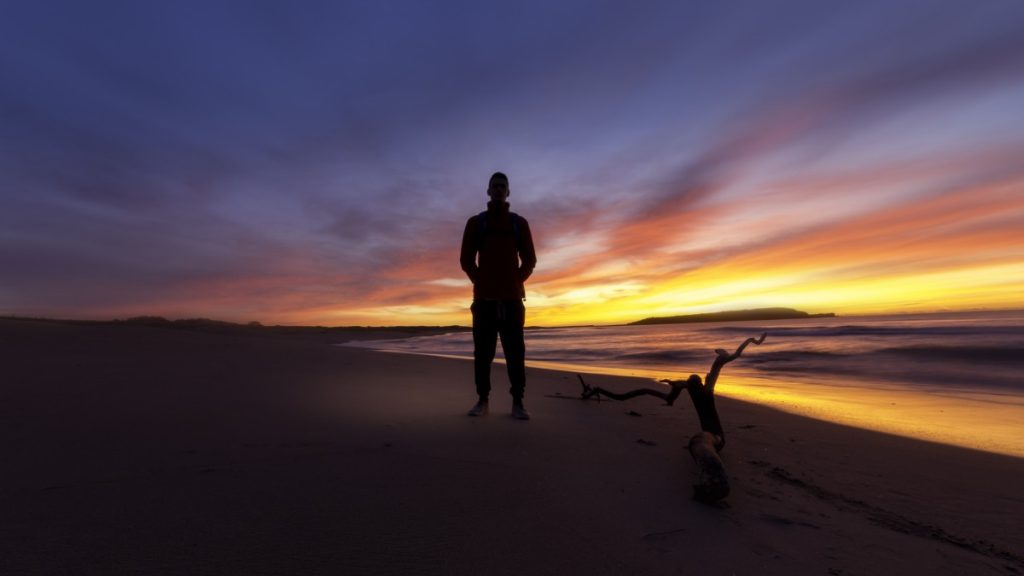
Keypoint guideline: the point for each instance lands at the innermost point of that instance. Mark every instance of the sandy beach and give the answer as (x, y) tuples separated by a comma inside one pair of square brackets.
[(145, 450)]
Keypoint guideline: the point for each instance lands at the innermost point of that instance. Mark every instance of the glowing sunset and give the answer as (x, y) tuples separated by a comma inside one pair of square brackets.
[(835, 162), (467, 287)]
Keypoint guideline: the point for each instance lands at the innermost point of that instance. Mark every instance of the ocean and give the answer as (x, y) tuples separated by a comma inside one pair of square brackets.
[(955, 378)]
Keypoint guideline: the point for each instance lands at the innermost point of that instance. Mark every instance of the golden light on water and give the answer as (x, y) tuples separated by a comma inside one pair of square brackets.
[(968, 418), (972, 419)]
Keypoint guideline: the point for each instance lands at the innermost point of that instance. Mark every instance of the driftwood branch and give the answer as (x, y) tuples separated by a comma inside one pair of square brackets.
[(713, 482), (723, 358), (676, 389)]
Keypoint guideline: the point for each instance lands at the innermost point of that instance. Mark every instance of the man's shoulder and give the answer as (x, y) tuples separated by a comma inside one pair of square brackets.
[(475, 218)]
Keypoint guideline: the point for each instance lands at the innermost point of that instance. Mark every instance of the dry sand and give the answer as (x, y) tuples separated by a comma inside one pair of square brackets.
[(142, 450)]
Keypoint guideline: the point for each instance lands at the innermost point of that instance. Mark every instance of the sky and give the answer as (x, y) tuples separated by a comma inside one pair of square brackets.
[(316, 162)]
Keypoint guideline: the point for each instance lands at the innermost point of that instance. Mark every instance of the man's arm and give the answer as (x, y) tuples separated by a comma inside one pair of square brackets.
[(527, 255), (467, 258)]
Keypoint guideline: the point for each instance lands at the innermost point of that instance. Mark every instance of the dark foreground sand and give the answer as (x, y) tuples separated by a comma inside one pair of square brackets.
[(139, 450)]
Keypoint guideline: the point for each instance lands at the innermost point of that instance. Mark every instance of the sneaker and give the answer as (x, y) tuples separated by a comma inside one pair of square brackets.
[(519, 412), (479, 410)]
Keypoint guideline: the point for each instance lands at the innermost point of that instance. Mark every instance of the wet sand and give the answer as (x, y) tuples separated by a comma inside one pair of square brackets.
[(146, 450)]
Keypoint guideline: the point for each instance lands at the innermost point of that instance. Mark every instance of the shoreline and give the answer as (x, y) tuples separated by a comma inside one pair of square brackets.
[(143, 450), (975, 419)]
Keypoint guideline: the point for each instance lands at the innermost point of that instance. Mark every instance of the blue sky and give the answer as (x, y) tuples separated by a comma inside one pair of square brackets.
[(315, 162)]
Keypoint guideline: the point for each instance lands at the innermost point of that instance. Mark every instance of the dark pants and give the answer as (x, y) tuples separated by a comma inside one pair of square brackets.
[(492, 318)]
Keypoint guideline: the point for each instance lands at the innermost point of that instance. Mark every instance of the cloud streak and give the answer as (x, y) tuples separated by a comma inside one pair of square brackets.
[(318, 166)]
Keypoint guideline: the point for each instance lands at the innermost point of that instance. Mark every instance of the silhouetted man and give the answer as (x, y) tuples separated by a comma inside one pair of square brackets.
[(498, 256)]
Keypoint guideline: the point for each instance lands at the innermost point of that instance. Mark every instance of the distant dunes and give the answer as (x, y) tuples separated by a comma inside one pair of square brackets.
[(733, 316)]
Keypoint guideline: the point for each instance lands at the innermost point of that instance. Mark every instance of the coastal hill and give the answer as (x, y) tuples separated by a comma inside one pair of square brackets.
[(733, 316)]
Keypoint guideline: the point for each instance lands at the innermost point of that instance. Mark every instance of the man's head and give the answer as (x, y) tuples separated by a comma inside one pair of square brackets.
[(498, 188)]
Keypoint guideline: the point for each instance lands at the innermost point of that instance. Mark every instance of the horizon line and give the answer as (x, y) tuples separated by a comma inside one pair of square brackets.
[(157, 319)]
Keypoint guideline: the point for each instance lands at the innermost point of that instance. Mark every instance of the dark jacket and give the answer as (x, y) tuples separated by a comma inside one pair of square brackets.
[(495, 263)]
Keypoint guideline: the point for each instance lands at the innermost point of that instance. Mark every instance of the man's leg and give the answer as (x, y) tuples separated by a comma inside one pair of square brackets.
[(485, 339), (514, 345)]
